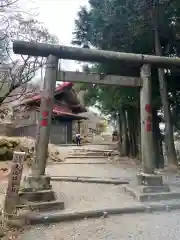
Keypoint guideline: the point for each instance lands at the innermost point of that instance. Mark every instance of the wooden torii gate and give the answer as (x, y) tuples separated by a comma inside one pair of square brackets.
[(147, 179)]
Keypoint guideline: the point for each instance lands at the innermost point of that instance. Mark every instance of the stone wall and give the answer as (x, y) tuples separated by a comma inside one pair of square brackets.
[(25, 131), (58, 133), (61, 133), (6, 129), (25, 118)]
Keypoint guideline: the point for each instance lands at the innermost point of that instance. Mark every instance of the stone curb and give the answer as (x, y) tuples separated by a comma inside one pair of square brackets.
[(96, 151), (107, 163), (84, 156), (87, 177), (88, 180), (70, 216), (105, 144)]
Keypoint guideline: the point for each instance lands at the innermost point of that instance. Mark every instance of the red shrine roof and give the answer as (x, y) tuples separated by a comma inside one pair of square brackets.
[(37, 97), (59, 110)]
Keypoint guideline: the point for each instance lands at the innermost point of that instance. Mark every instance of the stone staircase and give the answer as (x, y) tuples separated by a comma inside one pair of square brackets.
[(91, 153), (98, 139)]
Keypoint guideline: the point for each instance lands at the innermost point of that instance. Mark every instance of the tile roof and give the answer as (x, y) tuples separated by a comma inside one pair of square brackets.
[(59, 110), (62, 111), (58, 89)]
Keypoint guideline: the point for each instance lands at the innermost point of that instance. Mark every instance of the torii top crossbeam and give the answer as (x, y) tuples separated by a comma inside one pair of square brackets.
[(91, 55)]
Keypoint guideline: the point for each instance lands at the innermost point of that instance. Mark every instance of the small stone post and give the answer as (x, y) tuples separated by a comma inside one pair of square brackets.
[(12, 198), (37, 179)]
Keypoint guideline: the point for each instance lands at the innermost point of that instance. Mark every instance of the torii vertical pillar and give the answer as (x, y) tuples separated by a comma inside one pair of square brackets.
[(45, 117), (37, 184), (147, 147), (149, 183), (38, 180)]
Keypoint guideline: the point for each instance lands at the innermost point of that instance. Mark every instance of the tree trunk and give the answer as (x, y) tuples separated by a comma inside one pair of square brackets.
[(130, 132), (120, 133), (131, 119), (138, 133), (124, 149), (169, 140), (159, 159), (136, 130)]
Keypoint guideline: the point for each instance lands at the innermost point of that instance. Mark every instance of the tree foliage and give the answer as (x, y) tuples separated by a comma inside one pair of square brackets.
[(129, 26), (126, 26)]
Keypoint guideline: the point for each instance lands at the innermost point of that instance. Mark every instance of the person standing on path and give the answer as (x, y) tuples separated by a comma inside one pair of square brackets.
[(78, 139)]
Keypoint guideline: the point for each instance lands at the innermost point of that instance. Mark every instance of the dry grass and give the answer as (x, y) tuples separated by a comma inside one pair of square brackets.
[(27, 145)]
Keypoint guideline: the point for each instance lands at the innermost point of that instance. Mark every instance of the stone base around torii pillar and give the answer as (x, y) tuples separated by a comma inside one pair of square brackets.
[(150, 187), (37, 194)]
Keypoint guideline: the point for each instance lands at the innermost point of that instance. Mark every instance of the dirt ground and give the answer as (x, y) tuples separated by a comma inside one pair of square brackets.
[(86, 196)]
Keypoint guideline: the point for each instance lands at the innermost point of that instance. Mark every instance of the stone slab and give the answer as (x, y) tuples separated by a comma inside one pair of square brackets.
[(42, 206), (82, 163), (59, 216), (90, 180), (85, 156), (149, 179), (92, 154), (135, 191), (154, 189), (41, 195), (32, 183), (2, 232), (87, 177)]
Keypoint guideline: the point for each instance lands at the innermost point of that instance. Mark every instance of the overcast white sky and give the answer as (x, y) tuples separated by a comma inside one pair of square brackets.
[(58, 16)]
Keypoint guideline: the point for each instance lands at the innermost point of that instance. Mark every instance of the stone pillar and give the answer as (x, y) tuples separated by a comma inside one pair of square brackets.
[(37, 179), (147, 176), (147, 147), (150, 185)]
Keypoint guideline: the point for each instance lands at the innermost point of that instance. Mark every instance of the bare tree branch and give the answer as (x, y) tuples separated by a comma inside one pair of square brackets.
[(22, 69)]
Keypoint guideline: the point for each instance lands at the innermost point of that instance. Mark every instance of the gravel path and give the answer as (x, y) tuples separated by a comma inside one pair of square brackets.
[(90, 170), (86, 196), (155, 226)]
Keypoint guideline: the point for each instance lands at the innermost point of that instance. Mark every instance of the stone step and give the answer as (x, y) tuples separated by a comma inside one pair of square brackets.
[(93, 154), (161, 196), (84, 156), (135, 192), (93, 150), (42, 206), (78, 153), (90, 154)]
